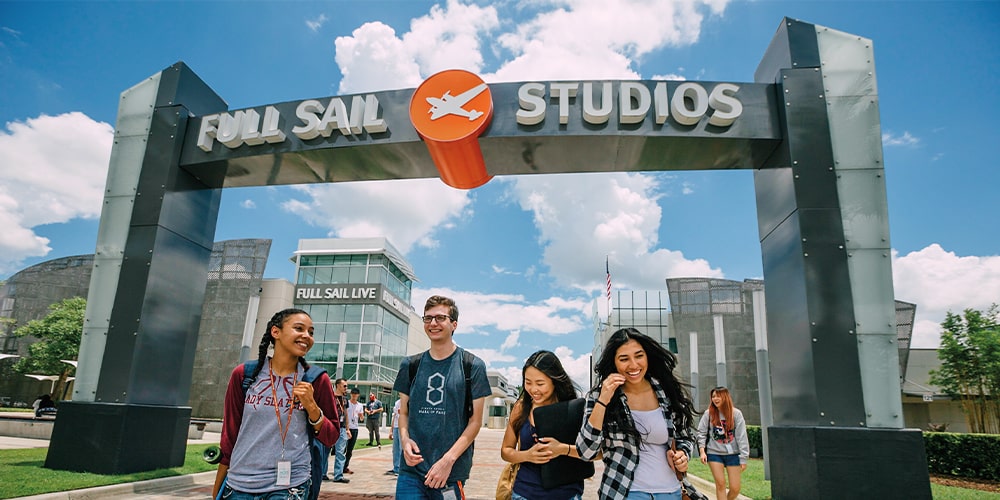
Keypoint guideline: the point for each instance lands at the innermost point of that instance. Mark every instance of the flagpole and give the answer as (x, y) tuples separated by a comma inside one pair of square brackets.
[(607, 268)]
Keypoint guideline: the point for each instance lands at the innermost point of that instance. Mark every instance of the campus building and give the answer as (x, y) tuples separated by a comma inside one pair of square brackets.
[(232, 295), (709, 324), (357, 291)]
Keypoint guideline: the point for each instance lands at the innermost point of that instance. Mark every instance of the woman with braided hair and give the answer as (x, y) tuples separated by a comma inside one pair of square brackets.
[(270, 414)]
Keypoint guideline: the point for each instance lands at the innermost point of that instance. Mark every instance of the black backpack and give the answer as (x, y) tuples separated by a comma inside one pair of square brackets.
[(467, 358), (319, 451)]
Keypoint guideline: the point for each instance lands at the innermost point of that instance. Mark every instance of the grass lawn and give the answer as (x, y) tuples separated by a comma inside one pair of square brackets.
[(23, 474), (756, 487)]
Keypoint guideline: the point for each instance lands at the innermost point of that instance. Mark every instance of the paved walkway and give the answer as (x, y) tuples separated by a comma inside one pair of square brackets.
[(368, 481)]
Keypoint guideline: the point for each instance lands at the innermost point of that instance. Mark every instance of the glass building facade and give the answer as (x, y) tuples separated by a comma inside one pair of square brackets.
[(357, 291)]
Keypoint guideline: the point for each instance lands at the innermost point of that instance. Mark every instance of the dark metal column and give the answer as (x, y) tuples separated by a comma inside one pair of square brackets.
[(132, 413), (836, 433)]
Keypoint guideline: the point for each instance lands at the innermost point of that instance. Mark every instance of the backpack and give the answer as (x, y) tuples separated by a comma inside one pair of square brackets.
[(319, 451), (467, 358)]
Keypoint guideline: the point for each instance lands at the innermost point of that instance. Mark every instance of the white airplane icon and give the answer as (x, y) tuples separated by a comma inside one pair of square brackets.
[(452, 105)]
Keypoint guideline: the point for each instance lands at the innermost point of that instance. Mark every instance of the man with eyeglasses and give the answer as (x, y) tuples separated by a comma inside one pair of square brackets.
[(435, 430)]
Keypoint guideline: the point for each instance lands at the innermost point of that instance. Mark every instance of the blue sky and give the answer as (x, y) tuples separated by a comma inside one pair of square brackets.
[(520, 254)]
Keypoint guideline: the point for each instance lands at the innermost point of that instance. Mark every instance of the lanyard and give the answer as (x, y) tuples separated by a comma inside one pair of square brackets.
[(291, 407)]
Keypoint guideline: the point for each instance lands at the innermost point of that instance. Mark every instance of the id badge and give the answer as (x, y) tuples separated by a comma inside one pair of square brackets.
[(448, 493), (284, 473)]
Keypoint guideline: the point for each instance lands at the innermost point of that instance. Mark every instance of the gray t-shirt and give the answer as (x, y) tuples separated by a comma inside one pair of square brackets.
[(254, 463), (437, 409)]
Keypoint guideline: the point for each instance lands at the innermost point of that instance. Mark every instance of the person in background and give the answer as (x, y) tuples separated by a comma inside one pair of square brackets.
[(355, 412), (44, 405), (396, 449), (339, 450), (265, 443), (435, 429), (634, 416), (723, 443), (373, 412), (543, 382)]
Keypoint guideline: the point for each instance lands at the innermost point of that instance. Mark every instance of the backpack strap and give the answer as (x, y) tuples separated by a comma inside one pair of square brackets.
[(248, 368), (467, 359), (414, 364)]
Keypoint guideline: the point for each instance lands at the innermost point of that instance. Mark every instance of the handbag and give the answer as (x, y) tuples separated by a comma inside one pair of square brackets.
[(505, 486), (688, 491)]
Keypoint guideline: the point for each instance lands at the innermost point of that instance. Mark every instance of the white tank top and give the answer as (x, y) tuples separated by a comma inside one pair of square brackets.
[(653, 474)]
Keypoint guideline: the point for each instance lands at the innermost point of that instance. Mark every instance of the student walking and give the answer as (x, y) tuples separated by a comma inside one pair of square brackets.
[(543, 382), (723, 443), (441, 409), (639, 419), (271, 417)]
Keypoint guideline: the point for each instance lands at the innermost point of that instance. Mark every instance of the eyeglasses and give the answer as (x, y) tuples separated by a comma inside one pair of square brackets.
[(440, 318)]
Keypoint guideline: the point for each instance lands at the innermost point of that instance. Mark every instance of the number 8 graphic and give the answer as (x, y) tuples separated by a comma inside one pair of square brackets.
[(435, 384)]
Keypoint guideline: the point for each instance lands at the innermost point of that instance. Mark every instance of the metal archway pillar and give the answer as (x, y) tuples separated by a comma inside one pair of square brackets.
[(824, 234), (129, 410)]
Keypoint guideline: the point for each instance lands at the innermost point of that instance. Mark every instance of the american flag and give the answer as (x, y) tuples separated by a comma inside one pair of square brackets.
[(608, 291)]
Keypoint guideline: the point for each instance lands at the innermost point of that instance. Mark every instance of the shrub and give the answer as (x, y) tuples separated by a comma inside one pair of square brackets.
[(963, 455)]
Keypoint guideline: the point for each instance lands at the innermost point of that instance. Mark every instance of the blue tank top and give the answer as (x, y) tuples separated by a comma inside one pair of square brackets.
[(528, 482)]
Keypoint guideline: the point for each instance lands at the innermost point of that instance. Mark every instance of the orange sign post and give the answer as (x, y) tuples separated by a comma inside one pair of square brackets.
[(450, 110)]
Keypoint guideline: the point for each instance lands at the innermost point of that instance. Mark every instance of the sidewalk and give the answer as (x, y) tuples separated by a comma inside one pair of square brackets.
[(368, 481)]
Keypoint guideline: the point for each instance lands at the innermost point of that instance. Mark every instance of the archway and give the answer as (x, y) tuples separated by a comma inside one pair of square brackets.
[(808, 126)]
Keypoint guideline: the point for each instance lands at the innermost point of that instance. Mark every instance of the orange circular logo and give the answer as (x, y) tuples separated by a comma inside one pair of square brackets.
[(450, 110), (451, 105)]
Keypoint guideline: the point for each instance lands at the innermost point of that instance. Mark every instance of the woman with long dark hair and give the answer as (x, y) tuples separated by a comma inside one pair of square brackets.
[(270, 413), (723, 443), (544, 382), (639, 418)]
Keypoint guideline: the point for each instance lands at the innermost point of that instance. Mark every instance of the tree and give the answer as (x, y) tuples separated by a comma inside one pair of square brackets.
[(970, 366), (58, 335)]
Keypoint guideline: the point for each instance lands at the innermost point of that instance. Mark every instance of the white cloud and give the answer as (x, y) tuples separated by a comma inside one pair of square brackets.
[(938, 281), (248, 204), (374, 57), (52, 170), (511, 341), (576, 39), (583, 218), (889, 140), (570, 39), (316, 24), (450, 37), (378, 208)]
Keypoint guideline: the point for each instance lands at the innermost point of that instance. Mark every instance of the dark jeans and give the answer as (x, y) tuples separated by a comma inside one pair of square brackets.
[(350, 448)]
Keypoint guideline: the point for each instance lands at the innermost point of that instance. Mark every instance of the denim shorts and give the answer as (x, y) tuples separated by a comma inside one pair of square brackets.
[(727, 460)]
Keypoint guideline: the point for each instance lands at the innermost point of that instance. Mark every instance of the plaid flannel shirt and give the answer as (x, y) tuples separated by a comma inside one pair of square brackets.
[(620, 451)]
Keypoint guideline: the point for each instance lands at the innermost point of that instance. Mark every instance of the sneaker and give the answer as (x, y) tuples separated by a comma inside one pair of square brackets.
[(390, 473), (342, 480), (348, 471)]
